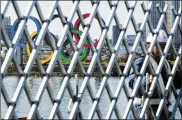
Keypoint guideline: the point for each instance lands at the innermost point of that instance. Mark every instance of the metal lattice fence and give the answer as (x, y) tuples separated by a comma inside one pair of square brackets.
[(43, 34)]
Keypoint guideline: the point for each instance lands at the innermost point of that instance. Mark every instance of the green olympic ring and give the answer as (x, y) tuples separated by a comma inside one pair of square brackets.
[(82, 57)]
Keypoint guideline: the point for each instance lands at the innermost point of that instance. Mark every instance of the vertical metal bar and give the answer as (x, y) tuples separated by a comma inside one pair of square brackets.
[(33, 55), (66, 78), (5, 7), (80, 44), (134, 47), (5, 37), (95, 56), (152, 87), (9, 57)]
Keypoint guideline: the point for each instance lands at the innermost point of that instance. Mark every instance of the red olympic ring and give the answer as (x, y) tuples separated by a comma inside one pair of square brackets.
[(77, 23)]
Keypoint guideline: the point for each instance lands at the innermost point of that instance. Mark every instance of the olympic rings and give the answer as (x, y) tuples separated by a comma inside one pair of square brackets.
[(15, 26), (82, 57), (62, 55), (47, 59), (76, 26)]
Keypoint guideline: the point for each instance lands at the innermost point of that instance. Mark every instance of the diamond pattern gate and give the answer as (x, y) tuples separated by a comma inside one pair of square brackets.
[(87, 72)]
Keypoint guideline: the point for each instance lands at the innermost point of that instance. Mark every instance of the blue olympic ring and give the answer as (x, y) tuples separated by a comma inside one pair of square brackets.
[(15, 26)]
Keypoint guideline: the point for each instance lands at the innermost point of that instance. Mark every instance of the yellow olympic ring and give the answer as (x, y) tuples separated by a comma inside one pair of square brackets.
[(43, 61)]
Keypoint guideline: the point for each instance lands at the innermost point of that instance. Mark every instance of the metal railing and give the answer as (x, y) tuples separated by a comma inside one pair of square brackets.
[(96, 50)]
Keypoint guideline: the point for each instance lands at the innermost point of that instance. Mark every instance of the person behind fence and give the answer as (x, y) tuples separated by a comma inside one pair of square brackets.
[(149, 75)]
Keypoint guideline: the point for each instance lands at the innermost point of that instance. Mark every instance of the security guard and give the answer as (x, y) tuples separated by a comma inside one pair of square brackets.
[(150, 72)]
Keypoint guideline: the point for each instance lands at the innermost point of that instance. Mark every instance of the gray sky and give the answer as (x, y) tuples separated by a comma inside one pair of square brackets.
[(85, 7)]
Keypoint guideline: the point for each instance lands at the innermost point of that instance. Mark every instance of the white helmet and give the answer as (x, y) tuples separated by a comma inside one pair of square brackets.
[(162, 37)]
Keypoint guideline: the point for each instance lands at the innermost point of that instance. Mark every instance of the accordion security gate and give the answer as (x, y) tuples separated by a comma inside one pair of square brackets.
[(46, 73)]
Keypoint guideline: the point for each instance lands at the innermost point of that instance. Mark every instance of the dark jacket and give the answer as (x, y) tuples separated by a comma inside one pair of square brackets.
[(139, 62)]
